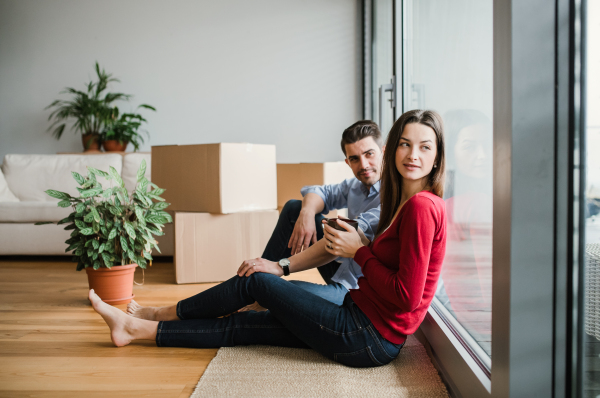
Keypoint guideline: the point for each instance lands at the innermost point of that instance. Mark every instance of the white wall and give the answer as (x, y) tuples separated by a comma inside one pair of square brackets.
[(263, 71)]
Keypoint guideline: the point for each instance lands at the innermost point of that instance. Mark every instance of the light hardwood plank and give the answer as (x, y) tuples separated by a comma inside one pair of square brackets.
[(53, 344)]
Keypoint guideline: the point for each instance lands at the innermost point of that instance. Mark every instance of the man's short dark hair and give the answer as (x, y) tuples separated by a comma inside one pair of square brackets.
[(358, 131)]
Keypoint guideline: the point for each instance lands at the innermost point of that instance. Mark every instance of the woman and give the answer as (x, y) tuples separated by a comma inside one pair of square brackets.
[(401, 268)]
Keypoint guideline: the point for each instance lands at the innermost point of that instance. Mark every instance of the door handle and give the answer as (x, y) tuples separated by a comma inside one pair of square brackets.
[(390, 87)]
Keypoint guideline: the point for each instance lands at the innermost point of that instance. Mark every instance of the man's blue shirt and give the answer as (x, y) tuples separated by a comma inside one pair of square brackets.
[(363, 207)]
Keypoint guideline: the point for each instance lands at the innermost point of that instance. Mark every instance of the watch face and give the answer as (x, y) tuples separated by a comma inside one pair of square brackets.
[(284, 262)]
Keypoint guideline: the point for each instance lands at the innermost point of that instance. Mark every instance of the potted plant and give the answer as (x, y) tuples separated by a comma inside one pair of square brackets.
[(89, 108), (113, 229), (94, 114), (124, 129)]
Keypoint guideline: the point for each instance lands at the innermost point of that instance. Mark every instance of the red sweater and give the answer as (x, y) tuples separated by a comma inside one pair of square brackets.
[(401, 268)]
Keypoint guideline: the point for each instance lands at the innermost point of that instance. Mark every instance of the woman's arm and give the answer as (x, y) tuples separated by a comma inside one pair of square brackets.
[(416, 231), (313, 257)]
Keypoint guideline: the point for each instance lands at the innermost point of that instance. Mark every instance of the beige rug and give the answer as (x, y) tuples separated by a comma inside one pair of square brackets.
[(263, 371)]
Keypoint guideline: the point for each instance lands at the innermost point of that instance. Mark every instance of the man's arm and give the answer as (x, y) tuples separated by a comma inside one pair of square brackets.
[(368, 222), (305, 230), (317, 199), (334, 196), (313, 257)]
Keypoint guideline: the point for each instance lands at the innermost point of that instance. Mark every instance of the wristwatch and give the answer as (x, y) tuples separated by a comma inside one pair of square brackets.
[(284, 263)]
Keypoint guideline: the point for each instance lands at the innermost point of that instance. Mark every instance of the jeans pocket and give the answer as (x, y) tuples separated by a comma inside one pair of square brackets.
[(391, 349), (358, 359), (384, 347)]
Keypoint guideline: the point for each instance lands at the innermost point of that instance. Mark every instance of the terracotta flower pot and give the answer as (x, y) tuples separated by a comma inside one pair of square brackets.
[(113, 285), (90, 142), (115, 146)]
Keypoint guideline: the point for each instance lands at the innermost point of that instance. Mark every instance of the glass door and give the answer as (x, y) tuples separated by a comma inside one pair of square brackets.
[(502, 73), (591, 227), (383, 88), (448, 67)]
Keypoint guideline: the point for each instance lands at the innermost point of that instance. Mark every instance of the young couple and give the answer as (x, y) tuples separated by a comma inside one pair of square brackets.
[(399, 271)]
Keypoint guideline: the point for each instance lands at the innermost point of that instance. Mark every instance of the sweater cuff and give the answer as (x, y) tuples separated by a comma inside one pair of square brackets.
[(361, 255)]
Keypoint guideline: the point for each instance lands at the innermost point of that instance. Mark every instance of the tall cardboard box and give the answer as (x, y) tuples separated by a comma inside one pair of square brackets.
[(211, 247), (291, 177), (216, 178)]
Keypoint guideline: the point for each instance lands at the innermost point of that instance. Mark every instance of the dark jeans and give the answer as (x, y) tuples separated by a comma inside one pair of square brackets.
[(296, 319), (277, 247)]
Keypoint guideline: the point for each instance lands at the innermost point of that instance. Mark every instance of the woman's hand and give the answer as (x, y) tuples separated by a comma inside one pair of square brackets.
[(249, 267), (342, 243)]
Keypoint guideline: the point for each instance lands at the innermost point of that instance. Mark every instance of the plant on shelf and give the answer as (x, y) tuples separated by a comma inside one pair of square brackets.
[(112, 229), (123, 129)]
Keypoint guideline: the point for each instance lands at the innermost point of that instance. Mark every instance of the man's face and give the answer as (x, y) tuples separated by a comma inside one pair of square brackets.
[(364, 158)]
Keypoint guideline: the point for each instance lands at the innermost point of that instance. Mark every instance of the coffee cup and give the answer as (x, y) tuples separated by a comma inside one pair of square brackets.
[(332, 222)]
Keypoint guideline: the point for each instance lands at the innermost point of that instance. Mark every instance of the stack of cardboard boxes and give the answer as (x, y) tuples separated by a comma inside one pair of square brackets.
[(224, 199)]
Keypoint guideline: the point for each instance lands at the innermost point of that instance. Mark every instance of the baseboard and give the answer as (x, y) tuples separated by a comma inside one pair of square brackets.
[(452, 390)]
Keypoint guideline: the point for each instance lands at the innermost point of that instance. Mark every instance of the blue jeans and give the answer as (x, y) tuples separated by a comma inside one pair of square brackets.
[(333, 292), (296, 318), (277, 249)]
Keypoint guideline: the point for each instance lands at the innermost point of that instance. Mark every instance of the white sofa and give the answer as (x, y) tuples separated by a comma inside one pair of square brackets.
[(23, 202)]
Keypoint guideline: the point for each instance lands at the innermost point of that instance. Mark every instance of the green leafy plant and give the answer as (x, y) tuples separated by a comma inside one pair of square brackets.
[(90, 109), (126, 127), (111, 226)]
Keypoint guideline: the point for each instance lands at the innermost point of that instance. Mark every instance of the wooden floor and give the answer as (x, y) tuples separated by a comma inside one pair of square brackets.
[(52, 344)]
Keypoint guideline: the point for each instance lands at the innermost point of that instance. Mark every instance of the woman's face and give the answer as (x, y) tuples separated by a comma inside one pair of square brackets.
[(472, 151), (416, 152)]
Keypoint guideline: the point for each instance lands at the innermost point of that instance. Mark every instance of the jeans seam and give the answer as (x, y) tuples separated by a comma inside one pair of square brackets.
[(223, 329), (378, 342), (341, 333), (355, 316), (367, 348)]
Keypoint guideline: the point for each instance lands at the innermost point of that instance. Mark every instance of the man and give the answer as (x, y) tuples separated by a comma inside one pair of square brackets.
[(299, 223)]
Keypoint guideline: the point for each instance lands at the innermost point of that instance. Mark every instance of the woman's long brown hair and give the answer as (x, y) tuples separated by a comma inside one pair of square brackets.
[(391, 180)]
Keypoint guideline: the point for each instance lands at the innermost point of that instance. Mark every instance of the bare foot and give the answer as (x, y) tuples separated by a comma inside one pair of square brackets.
[(253, 307), (123, 329), (136, 310), (152, 313)]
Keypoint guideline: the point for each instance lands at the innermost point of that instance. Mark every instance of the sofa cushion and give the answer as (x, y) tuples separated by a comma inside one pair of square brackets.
[(25, 212), (28, 176), (131, 164), (5, 194)]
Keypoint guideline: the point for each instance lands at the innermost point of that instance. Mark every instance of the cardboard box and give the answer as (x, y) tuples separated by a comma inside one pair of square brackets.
[(211, 247), (291, 177), (216, 178)]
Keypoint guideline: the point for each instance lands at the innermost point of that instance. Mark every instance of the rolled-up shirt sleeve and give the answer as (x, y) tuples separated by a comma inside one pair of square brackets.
[(335, 196), (368, 222)]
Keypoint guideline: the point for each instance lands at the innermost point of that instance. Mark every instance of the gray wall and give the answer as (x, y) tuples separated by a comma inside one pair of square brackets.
[(263, 71)]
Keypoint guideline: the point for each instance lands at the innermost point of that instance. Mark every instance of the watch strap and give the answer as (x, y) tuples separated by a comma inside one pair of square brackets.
[(284, 263)]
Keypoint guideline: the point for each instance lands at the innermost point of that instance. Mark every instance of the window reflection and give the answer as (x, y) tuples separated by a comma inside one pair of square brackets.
[(591, 338), (466, 289), (448, 67)]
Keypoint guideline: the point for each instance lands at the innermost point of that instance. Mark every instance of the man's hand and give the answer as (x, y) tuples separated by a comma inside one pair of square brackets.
[(249, 267), (304, 232)]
